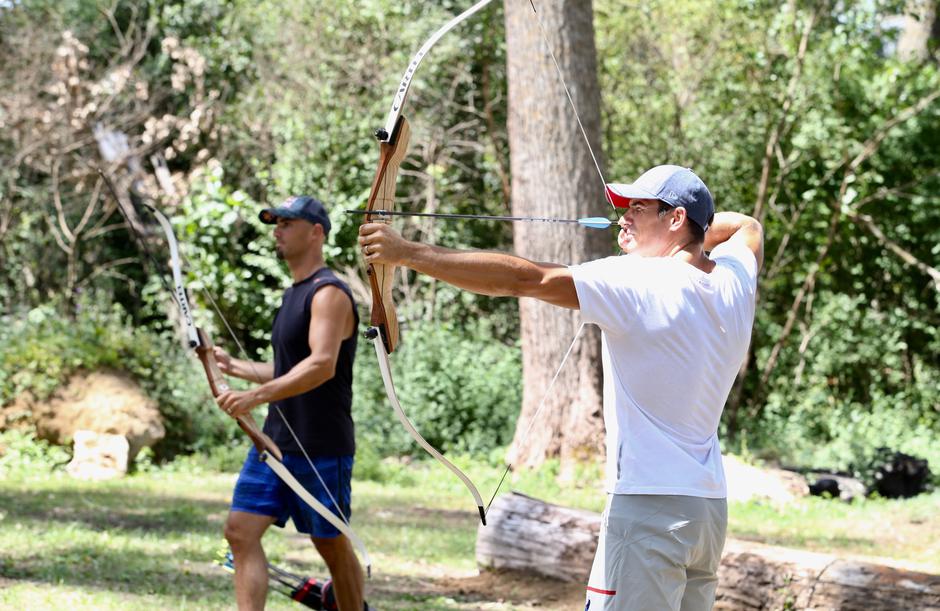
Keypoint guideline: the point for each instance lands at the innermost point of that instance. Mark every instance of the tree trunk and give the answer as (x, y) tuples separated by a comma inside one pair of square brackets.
[(527, 534), (920, 26), (554, 175)]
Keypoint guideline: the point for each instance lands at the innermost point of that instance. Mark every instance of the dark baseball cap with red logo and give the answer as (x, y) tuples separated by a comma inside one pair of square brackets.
[(298, 207), (672, 185)]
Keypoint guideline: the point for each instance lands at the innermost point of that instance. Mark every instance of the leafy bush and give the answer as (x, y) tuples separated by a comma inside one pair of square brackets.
[(853, 389), (244, 284), (42, 349), (21, 452), (220, 458), (461, 391)]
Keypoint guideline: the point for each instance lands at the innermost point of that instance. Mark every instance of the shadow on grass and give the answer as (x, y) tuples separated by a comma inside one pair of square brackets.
[(109, 537), (204, 591), (117, 570), (108, 510), (123, 540), (411, 515)]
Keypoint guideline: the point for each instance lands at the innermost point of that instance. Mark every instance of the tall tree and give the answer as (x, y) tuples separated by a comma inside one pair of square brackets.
[(554, 174), (920, 28)]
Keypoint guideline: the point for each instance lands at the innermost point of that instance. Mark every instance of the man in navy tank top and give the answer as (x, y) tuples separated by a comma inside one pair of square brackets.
[(309, 389)]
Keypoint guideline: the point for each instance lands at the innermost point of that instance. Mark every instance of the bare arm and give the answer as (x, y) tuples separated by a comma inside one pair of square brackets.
[(253, 371), (331, 321), (483, 272), (735, 226)]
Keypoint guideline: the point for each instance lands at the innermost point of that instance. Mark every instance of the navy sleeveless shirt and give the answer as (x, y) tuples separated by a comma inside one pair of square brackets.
[(322, 417)]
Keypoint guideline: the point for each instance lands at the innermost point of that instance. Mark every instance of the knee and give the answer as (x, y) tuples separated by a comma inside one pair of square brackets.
[(233, 534), (239, 534), (332, 550)]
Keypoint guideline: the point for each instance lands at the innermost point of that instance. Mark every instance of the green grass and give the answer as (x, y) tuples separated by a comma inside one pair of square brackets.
[(151, 539), (905, 532)]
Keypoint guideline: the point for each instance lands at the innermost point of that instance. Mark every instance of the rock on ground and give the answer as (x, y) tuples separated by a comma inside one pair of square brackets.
[(102, 402)]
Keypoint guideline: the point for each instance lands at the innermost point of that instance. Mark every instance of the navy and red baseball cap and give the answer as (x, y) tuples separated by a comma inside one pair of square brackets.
[(673, 185), (298, 207)]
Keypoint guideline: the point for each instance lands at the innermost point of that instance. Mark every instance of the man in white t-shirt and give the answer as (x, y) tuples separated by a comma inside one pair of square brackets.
[(675, 326)]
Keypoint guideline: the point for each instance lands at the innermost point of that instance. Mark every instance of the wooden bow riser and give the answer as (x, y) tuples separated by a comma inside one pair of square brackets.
[(219, 385), (382, 197)]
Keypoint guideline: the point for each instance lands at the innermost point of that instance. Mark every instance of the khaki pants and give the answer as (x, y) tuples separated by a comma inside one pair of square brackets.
[(658, 552)]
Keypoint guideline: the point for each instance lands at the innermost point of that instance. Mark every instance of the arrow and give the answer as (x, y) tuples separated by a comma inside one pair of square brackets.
[(593, 222)]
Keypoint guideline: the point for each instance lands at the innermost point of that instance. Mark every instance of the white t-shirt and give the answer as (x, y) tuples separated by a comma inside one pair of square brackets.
[(673, 340)]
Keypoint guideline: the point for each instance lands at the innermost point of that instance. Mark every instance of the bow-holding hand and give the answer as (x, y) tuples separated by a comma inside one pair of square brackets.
[(237, 403), (380, 244)]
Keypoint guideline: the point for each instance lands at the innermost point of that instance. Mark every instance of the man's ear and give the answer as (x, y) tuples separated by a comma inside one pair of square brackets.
[(678, 219)]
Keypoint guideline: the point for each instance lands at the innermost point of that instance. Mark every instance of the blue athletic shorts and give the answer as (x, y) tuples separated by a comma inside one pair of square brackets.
[(259, 490)]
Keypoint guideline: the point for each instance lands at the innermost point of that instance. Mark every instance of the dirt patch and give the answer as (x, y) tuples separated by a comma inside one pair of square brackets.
[(490, 591), (521, 590)]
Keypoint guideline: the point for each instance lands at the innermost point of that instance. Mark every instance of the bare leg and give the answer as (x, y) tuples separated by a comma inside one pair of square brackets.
[(243, 531), (348, 579)]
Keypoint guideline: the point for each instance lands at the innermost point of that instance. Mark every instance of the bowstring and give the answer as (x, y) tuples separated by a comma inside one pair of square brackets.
[(277, 408), (544, 400), (564, 85)]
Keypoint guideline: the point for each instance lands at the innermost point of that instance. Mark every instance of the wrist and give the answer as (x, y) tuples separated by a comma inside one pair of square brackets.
[(412, 255), (257, 396)]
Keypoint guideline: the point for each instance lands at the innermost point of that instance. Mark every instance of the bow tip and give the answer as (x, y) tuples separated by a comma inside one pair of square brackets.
[(482, 514)]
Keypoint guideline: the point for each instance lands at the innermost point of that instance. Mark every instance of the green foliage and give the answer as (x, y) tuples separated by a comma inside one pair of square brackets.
[(21, 453), (241, 285), (368, 464), (287, 93), (227, 457), (845, 344), (41, 350), (853, 390), (461, 391), (315, 134)]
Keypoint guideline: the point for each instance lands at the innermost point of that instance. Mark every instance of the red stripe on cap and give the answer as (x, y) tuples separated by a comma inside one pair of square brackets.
[(599, 591), (618, 201)]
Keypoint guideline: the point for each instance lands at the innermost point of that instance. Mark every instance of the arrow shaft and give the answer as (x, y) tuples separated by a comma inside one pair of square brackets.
[(593, 222)]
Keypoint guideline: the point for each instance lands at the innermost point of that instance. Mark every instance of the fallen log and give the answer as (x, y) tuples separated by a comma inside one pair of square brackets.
[(524, 533), (754, 576)]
